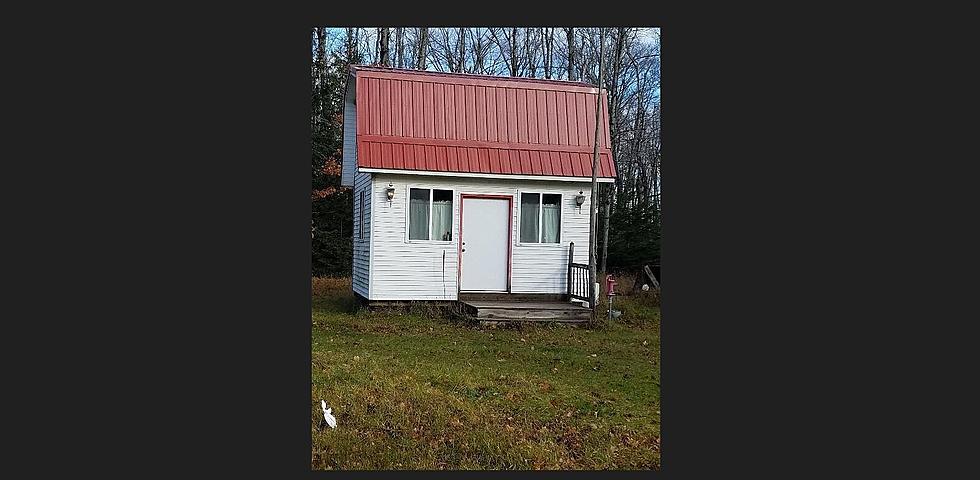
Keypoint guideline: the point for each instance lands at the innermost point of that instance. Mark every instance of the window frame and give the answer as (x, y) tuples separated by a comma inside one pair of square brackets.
[(360, 214), (452, 223), (561, 218)]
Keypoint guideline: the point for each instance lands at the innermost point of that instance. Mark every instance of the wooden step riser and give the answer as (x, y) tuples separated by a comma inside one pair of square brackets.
[(511, 297), (502, 321), (491, 313)]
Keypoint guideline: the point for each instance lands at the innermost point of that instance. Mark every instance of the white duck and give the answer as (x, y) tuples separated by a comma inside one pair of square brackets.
[(331, 420)]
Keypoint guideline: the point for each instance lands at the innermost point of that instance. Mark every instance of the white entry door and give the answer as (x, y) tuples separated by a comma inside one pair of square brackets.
[(486, 238)]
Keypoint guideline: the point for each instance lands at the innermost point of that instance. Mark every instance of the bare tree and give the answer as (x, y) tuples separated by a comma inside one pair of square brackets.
[(400, 46), (461, 40), (383, 39), (595, 190), (570, 36), (449, 49), (480, 47), (350, 42), (531, 51), (614, 137), (548, 49), (422, 44), (319, 74), (508, 49)]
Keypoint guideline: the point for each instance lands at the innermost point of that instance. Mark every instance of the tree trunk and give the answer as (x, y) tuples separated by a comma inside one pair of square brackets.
[(514, 58), (400, 46), (614, 137), (614, 110), (570, 35), (423, 44), (478, 52), (351, 41), (462, 49), (529, 52), (546, 44), (319, 68), (595, 173), (383, 40)]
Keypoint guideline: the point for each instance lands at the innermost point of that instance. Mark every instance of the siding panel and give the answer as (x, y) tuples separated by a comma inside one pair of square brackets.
[(350, 139), (428, 271), (360, 275)]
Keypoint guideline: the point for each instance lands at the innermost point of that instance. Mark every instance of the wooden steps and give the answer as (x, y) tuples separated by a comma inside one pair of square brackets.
[(526, 311), (512, 297)]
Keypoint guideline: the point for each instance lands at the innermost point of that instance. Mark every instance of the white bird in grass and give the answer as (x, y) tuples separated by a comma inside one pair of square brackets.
[(327, 415)]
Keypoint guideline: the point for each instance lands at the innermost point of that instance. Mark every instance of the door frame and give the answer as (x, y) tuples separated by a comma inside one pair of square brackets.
[(510, 235)]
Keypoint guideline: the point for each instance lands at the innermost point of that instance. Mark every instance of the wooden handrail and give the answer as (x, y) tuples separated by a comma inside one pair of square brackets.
[(577, 277)]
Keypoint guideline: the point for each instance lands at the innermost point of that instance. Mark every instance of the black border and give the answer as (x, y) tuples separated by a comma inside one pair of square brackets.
[(204, 271)]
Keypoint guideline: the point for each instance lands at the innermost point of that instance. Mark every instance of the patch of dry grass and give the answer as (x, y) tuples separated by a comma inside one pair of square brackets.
[(413, 391), (323, 286)]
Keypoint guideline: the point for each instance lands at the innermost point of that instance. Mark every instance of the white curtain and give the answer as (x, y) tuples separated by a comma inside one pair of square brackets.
[(418, 215), (529, 217), (442, 220), (550, 222)]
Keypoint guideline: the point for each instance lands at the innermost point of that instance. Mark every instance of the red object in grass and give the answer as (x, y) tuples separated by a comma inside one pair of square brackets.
[(610, 285)]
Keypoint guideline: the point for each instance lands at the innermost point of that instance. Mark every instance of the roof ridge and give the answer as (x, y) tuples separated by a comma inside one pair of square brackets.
[(472, 75)]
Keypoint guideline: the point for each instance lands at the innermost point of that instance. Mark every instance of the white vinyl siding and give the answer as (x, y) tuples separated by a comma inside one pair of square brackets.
[(360, 279), (350, 139), (426, 270), (360, 214)]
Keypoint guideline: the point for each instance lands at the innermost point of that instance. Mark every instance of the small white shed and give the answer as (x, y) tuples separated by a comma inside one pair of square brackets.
[(468, 183)]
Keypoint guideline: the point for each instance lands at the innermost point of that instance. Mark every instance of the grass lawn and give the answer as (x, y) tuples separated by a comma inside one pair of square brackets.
[(414, 391)]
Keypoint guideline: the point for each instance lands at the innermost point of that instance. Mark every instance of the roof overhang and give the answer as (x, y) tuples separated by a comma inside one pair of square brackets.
[(549, 178)]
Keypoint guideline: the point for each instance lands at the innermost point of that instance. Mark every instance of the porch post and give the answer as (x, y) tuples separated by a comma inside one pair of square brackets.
[(568, 278)]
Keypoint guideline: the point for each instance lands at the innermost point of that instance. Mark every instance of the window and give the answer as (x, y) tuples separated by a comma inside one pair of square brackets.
[(360, 230), (430, 214), (540, 217)]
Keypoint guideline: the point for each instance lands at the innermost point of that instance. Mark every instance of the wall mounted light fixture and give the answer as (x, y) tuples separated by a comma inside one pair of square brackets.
[(579, 199), (390, 191)]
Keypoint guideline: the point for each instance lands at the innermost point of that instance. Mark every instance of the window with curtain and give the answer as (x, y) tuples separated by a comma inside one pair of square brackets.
[(540, 218), (442, 215), (430, 214)]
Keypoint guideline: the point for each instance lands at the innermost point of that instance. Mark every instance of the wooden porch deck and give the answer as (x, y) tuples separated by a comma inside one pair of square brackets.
[(525, 310)]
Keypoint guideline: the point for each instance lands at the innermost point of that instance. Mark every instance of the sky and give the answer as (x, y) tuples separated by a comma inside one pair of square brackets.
[(649, 36)]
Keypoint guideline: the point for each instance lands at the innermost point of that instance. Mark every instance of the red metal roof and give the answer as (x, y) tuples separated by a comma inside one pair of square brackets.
[(415, 120)]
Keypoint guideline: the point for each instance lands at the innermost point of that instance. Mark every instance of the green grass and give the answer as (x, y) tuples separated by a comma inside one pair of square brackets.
[(411, 391)]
